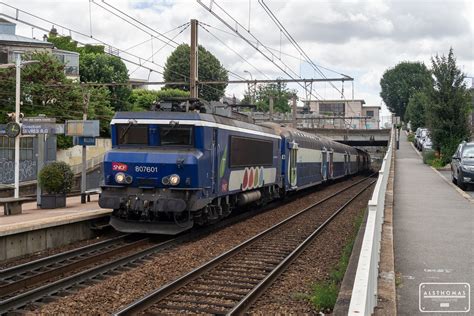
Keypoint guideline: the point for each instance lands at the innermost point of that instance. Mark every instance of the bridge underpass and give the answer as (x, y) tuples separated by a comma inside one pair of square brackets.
[(374, 141)]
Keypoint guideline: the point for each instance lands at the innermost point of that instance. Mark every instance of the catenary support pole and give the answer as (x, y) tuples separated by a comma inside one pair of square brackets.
[(86, 96), (194, 58), (17, 120), (294, 111)]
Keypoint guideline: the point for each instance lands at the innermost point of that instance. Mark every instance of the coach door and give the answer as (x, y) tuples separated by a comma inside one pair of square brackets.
[(292, 164), (331, 164), (346, 163), (324, 164)]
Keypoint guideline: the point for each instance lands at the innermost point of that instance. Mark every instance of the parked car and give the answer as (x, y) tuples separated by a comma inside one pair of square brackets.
[(420, 133), (462, 165), (426, 143)]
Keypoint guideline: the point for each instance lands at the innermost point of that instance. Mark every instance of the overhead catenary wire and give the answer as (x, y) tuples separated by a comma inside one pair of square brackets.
[(234, 51), (294, 42), (283, 66)]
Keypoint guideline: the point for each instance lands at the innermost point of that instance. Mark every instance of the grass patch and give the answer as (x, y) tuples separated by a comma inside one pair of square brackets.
[(437, 163), (324, 294), (411, 137)]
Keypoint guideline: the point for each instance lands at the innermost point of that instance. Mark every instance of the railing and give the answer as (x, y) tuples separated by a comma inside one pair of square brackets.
[(364, 292), (91, 163)]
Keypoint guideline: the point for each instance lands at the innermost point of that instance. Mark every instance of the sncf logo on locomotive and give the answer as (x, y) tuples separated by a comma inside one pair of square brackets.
[(118, 166)]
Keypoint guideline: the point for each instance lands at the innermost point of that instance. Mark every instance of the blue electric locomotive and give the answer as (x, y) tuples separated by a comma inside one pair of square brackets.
[(170, 170)]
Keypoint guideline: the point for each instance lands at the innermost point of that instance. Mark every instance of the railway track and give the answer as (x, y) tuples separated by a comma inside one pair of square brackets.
[(231, 282), (28, 286)]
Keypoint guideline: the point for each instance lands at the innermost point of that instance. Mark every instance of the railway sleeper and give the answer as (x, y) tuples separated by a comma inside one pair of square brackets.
[(245, 267), (248, 275), (173, 310), (197, 300), (202, 304), (230, 284), (216, 294), (235, 278), (221, 289)]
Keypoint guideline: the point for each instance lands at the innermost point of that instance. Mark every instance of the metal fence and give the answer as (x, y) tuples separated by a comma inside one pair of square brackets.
[(364, 292)]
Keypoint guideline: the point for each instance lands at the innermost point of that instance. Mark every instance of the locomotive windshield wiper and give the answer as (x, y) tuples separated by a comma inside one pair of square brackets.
[(130, 123), (173, 124)]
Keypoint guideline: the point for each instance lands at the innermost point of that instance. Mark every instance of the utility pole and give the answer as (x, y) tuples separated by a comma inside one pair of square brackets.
[(271, 108), (17, 120), (294, 111), (85, 98), (193, 73)]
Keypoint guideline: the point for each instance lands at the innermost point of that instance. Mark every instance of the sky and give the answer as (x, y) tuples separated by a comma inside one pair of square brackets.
[(361, 39)]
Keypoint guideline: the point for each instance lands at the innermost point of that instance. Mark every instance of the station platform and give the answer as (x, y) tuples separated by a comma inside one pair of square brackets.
[(433, 230), (38, 229)]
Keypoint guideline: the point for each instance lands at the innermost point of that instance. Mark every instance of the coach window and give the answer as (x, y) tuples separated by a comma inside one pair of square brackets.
[(246, 152), (132, 134), (176, 135)]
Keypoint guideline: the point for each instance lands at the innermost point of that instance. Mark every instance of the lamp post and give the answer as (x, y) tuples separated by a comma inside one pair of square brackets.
[(18, 64)]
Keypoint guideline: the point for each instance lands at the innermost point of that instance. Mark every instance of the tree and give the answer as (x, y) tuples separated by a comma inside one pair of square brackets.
[(400, 82), (44, 90), (96, 66), (449, 106), (209, 67), (415, 112), (142, 99), (103, 68), (281, 96)]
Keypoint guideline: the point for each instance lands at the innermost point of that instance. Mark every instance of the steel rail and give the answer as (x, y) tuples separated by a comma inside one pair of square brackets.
[(32, 265), (50, 289), (170, 288), (32, 277), (243, 305)]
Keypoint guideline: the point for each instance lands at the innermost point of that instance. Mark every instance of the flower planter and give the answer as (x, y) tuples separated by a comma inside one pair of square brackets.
[(53, 200)]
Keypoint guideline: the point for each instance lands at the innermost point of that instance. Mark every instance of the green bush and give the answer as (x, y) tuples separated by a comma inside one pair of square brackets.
[(411, 137), (56, 178), (325, 295), (428, 156)]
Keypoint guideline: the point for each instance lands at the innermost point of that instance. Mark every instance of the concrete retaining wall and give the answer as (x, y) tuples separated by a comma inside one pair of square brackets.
[(29, 242)]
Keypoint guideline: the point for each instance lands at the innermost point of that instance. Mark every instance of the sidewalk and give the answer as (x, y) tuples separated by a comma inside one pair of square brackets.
[(433, 238)]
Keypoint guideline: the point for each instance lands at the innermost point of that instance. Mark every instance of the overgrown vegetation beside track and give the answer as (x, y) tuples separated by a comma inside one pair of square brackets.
[(324, 295)]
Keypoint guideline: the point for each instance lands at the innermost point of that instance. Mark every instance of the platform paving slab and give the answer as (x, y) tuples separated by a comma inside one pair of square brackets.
[(433, 237)]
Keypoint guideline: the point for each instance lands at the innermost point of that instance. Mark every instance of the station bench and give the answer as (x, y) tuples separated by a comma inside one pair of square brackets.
[(12, 206), (88, 193)]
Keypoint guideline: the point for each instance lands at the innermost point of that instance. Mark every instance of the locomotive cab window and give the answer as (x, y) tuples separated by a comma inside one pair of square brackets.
[(176, 135), (132, 134), (246, 152)]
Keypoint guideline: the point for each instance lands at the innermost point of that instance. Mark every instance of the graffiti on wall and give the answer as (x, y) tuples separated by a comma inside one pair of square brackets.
[(7, 171)]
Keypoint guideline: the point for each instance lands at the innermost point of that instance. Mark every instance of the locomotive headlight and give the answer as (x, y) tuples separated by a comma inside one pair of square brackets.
[(120, 177), (174, 179)]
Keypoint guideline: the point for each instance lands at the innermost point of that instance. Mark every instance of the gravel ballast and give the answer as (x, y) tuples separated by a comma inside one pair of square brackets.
[(118, 291)]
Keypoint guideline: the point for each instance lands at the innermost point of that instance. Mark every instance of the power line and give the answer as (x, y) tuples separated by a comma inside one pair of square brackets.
[(283, 67), (294, 42), (141, 29), (234, 51)]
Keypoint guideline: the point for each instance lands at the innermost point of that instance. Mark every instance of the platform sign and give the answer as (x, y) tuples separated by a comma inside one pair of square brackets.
[(3, 129), (38, 125), (38, 128), (88, 128), (84, 141)]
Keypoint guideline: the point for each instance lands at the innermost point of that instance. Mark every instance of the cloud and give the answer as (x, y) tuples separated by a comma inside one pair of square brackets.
[(358, 38)]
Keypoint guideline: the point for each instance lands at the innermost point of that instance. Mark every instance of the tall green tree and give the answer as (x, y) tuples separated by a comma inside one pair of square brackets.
[(44, 90), (279, 91), (209, 67), (96, 66), (103, 68), (416, 109), (400, 82), (449, 106)]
